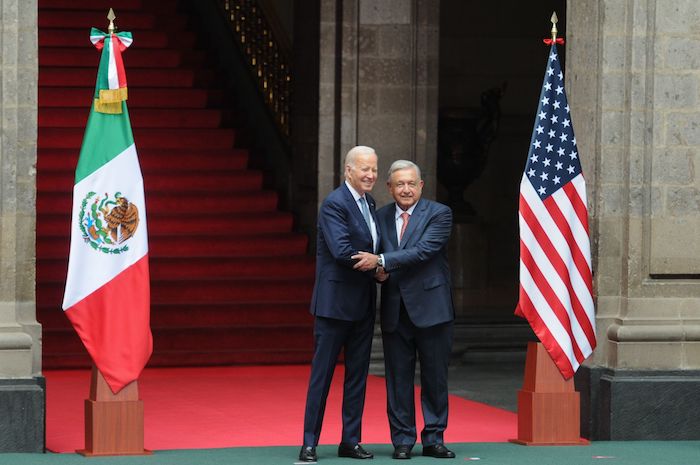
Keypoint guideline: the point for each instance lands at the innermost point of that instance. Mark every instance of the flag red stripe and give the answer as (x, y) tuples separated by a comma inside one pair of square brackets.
[(556, 260), (579, 259), (580, 263), (544, 335), (117, 49), (550, 296), (583, 261), (545, 242), (114, 325), (579, 206)]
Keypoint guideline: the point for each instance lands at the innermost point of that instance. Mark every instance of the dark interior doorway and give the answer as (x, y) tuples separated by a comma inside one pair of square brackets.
[(492, 61)]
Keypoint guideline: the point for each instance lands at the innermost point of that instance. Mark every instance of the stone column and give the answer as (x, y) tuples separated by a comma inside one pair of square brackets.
[(634, 83), (22, 400), (378, 86)]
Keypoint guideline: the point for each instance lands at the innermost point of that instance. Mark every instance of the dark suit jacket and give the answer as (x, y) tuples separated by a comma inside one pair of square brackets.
[(418, 269), (341, 292)]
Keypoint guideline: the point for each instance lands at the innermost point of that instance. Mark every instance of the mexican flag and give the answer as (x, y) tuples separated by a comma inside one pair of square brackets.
[(107, 295)]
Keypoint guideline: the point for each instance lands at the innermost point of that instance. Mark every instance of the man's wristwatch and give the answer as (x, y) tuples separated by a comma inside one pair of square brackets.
[(380, 261)]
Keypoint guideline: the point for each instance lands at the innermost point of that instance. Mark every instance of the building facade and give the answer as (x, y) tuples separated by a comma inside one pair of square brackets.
[(633, 82)]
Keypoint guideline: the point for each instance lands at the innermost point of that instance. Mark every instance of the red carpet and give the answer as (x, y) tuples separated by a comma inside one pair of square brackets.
[(196, 408)]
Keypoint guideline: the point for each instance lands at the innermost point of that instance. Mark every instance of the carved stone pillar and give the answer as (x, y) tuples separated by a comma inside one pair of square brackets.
[(22, 399), (633, 89)]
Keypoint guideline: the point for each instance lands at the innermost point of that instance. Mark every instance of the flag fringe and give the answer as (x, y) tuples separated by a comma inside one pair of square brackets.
[(110, 100), (111, 108), (113, 95)]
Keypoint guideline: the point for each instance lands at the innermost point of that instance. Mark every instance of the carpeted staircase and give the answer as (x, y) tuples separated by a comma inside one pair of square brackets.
[(230, 280)]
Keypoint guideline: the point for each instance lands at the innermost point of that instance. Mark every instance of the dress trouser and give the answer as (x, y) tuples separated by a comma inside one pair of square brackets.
[(355, 339), (432, 345)]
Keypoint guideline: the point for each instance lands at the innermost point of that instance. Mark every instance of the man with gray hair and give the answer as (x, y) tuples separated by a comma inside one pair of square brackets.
[(343, 303), (417, 312)]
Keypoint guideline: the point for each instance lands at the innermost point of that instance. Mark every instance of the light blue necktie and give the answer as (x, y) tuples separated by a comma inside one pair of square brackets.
[(365, 212)]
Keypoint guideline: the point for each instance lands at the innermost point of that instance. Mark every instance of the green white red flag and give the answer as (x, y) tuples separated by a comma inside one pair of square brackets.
[(107, 296)]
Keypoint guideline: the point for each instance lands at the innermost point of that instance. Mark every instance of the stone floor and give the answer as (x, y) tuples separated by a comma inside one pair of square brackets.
[(493, 377)]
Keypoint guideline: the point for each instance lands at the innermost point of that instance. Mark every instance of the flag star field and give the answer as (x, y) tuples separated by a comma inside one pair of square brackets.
[(553, 158)]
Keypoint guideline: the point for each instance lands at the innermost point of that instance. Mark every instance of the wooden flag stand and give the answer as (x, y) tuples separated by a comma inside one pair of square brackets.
[(113, 422), (549, 408)]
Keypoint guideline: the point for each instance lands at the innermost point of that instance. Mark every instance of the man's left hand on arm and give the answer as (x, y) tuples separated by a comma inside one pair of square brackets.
[(365, 261)]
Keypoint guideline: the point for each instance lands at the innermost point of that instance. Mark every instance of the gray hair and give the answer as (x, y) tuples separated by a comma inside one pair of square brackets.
[(354, 152), (402, 165)]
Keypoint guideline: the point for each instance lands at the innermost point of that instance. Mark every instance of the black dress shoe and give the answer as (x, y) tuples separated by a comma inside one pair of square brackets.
[(439, 451), (308, 454), (353, 452), (402, 452)]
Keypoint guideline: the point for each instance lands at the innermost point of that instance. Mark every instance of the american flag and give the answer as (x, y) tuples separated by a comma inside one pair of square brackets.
[(556, 290)]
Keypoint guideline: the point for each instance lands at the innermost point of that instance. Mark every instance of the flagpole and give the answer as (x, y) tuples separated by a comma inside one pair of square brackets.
[(114, 421), (548, 404), (111, 17), (554, 21)]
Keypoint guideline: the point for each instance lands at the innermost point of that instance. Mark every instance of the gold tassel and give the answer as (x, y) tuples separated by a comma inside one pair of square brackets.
[(113, 95), (110, 100), (112, 108)]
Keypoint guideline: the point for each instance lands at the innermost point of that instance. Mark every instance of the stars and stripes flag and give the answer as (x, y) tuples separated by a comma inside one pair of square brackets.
[(556, 289)]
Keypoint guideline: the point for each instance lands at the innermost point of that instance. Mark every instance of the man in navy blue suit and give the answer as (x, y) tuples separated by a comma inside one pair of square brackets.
[(417, 313), (343, 303)]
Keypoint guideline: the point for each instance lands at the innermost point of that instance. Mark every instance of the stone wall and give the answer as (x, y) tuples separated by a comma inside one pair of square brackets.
[(21, 386), (634, 83), (378, 86)]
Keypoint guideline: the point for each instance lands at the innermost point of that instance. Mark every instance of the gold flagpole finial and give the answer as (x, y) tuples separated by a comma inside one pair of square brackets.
[(111, 17), (554, 20)]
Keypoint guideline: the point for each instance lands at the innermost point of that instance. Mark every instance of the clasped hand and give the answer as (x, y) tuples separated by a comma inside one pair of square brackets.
[(368, 261)]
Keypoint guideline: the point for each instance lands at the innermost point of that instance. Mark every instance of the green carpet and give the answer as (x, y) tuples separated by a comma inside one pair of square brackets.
[(599, 453)]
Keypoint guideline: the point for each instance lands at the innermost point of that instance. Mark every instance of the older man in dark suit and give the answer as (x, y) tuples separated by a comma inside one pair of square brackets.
[(343, 303), (417, 313)]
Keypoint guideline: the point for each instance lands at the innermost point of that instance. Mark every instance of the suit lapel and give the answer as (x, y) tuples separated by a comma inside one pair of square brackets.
[(354, 209), (388, 220)]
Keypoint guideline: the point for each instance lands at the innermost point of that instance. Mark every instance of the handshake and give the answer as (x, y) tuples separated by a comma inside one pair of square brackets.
[(368, 261)]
